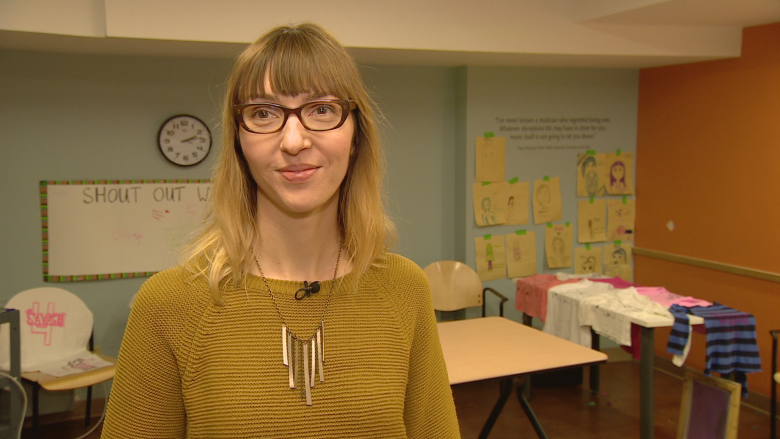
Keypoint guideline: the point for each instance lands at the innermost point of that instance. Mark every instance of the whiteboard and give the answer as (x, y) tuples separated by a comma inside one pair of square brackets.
[(115, 229)]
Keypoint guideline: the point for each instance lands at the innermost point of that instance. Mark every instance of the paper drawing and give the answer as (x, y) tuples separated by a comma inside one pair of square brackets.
[(620, 173), (547, 200), (591, 221), (517, 202), (521, 254), (490, 257), (558, 242), (591, 175), (620, 219), (588, 260), (617, 260), (490, 160), (79, 363), (490, 203)]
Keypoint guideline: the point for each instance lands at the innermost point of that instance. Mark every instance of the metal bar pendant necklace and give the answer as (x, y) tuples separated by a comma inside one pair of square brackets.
[(307, 353)]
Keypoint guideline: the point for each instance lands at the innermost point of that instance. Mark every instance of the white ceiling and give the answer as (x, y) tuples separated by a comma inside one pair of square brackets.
[(559, 33)]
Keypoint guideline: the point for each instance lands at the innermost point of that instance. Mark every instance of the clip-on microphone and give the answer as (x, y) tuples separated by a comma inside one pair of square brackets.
[(308, 290)]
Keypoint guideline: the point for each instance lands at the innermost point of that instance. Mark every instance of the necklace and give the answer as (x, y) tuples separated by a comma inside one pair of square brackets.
[(312, 347)]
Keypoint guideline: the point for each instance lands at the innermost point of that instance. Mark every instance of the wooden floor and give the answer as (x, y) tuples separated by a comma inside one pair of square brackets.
[(567, 412)]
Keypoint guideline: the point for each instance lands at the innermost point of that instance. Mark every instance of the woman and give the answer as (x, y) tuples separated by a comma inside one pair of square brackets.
[(288, 319)]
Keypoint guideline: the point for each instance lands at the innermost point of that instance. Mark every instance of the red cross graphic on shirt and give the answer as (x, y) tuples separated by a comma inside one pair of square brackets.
[(43, 323)]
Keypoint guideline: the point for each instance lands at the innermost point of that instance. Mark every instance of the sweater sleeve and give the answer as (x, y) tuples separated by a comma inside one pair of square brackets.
[(429, 407), (146, 398)]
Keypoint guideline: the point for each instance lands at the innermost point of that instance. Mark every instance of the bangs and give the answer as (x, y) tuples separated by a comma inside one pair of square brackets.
[(297, 62)]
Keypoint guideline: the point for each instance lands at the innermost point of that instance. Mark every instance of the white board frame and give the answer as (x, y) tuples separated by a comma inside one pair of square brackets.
[(113, 229)]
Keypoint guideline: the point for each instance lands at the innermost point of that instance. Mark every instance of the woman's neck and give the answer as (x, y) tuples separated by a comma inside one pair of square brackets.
[(299, 247)]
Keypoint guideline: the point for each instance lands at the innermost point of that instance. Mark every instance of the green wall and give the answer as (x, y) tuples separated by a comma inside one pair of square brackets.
[(88, 117)]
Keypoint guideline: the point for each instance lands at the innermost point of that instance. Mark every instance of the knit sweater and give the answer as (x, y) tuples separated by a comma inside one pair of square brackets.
[(190, 368)]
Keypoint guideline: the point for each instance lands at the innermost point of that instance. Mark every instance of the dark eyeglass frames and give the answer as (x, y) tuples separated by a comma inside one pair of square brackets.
[(266, 118)]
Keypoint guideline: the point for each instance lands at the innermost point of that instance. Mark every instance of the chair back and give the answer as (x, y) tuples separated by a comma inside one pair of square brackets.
[(454, 285), (54, 324)]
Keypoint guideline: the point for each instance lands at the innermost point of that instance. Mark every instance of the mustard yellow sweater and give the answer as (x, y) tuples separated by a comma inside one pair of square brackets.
[(190, 368)]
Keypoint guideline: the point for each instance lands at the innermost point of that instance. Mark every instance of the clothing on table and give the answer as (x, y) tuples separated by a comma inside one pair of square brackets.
[(679, 343), (617, 282), (577, 276), (667, 298), (563, 305), (610, 314), (190, 368), (531, 294), (731, 340)]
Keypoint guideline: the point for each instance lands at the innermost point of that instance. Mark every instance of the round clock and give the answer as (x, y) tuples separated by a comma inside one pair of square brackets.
[(184, 140)]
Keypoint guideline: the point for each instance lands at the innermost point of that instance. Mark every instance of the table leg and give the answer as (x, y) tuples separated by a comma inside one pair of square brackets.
[(527, 321), (506, 391), (595, 344), (531, 416), (646, 383)]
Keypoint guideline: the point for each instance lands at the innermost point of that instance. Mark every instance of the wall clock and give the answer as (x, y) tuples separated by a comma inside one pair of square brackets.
[(184, 140)]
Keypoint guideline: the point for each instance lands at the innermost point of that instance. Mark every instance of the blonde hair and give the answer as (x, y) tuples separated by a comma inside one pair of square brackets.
[(297, 59)]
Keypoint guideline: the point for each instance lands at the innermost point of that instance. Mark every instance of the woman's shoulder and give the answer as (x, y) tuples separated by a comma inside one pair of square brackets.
[(172, 288), (398, 273), (393, 263)]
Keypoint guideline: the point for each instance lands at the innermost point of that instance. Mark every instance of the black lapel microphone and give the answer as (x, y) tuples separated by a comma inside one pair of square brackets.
[(308, 289)]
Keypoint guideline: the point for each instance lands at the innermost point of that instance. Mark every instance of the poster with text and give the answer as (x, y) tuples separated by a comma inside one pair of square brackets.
[(591, 175), (620, 173), (490, 160), (591, 221), (490, 257), (558, 243), (547, 200), (588, 260), (620, 219), (521, 254), (490, 203), (517, 202)]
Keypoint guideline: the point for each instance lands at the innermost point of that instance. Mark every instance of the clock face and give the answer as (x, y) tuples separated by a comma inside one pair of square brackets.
[(184, 140)]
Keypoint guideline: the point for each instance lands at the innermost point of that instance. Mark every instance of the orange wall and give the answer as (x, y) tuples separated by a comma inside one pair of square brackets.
[(708, 159)]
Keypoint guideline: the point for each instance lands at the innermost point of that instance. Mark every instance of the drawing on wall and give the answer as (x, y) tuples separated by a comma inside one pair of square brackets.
[(517, 202), (620, 219), (547, 200), (558, 243), (620, 173), (521, 254), (591, 175), (591, 219), (491, 263), (490, 159), (588, 260), (489, 203), (617, 260)]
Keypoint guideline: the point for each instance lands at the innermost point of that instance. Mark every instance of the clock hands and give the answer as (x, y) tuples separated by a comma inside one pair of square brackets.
[(191, 139)]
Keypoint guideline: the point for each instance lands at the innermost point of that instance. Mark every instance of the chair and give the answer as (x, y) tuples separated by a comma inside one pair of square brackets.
[(56, 334), (456, 286), (773, 385)]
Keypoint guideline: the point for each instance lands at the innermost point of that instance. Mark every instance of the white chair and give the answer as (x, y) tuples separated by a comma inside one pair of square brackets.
[(55, 326), (456, 286)]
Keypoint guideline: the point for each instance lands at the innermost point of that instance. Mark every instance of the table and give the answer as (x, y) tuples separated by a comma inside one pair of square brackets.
[(495, 347), (646, 364)]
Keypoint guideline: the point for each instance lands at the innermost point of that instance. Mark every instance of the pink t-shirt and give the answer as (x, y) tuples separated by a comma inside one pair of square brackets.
[(666, 298), (531, 293)]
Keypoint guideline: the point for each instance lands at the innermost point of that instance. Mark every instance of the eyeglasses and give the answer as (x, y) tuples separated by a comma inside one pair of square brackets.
[(322, 115)]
